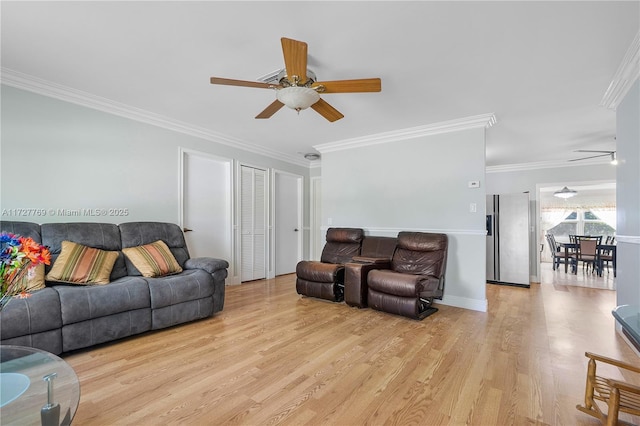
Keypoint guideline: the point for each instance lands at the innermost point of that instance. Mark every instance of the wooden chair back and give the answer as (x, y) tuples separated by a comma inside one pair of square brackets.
[(618, 396)]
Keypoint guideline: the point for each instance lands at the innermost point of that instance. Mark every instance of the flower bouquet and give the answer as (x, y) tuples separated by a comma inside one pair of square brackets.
[(18, 257)]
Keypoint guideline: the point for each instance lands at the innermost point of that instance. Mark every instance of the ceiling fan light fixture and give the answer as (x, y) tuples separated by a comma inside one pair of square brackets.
[(312, 156), (297, 97), (565, 193)]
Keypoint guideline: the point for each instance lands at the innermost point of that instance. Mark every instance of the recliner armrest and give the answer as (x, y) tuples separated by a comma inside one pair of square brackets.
[(321, 272), (208, 264), (371, 260)]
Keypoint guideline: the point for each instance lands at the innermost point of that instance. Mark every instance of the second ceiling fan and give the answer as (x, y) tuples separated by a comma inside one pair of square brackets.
[(297, 87), (597, 153)]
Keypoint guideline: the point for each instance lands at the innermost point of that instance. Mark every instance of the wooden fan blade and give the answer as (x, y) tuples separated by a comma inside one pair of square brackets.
[(327, 111), (295, 58), (350, 86), (243, 83), (271, 109)]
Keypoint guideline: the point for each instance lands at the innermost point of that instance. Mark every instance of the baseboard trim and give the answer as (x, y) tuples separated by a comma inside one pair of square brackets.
[(464, 302), (509, 284), (628, 341)]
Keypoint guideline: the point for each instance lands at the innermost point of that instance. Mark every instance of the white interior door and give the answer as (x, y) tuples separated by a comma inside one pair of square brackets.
[(253, 223), (287, 221), (317, 239), (206, 205)]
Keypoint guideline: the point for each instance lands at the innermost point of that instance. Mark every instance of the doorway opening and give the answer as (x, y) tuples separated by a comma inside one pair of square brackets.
[(592, 211)]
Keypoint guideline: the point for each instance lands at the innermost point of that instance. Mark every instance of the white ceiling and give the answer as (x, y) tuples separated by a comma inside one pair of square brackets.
[(541, 67)]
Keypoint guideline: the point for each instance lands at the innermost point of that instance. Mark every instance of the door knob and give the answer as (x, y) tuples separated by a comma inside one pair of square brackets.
[(187, 230), (295, 230)]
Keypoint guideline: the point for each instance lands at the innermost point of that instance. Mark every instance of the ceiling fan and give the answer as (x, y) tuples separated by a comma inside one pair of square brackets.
[(611, 154), (297, 87)]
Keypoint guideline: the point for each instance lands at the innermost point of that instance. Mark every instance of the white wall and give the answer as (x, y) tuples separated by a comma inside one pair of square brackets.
[(418, 184), (523, 180), (628, 196), (501, 182), (60, 156)]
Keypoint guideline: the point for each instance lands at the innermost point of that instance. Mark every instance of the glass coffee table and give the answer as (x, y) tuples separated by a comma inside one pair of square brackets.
[(26, 376)]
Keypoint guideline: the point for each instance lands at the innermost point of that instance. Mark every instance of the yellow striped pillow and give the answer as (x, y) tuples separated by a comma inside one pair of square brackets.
[(78, 264), (153, 260)]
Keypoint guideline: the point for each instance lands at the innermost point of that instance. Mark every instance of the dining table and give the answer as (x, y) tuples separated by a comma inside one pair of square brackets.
[(600, 249)]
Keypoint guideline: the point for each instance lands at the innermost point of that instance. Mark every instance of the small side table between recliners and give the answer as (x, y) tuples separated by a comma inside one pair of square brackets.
[(355, 278)]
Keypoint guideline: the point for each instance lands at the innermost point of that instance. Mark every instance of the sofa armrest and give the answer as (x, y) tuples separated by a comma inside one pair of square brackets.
[(208, 264)]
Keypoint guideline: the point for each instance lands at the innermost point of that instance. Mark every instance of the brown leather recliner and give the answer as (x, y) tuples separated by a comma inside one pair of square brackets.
[(325, 279), (416, 276)]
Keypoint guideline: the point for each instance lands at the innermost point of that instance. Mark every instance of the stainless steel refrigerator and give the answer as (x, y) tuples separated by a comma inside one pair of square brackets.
[(508, 239)]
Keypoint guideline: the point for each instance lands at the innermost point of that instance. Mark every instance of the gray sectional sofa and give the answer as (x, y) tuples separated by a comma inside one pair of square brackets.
[(65, 317)]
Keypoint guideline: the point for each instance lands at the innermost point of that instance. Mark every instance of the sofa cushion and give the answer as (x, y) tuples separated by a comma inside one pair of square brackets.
[(420, 253), (24, 229), (153, 260), (50, 341), (103, 236), (174, 289), (78, 264), (37, 313), (105, 329), (81, 303), (378, 247), (342, 244)]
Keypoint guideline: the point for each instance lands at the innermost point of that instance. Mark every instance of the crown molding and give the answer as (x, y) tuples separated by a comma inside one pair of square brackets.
[(64, 93), (627, 74), (477, 121)]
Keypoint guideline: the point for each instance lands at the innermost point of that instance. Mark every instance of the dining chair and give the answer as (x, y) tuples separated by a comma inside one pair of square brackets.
[(606, 256), (587, 251), (572, 241), (557, 254)]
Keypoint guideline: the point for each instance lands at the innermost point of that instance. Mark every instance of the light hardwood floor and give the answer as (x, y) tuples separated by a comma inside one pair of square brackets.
[(273, 357)]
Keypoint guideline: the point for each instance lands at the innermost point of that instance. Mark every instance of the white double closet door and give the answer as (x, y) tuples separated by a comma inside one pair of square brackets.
[(253, 223)]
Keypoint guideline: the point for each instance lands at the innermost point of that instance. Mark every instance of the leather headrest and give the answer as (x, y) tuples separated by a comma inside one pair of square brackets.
[(422, 241), (345, 235)]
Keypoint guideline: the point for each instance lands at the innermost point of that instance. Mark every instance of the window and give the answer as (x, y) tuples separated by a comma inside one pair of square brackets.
[(582, 222)]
